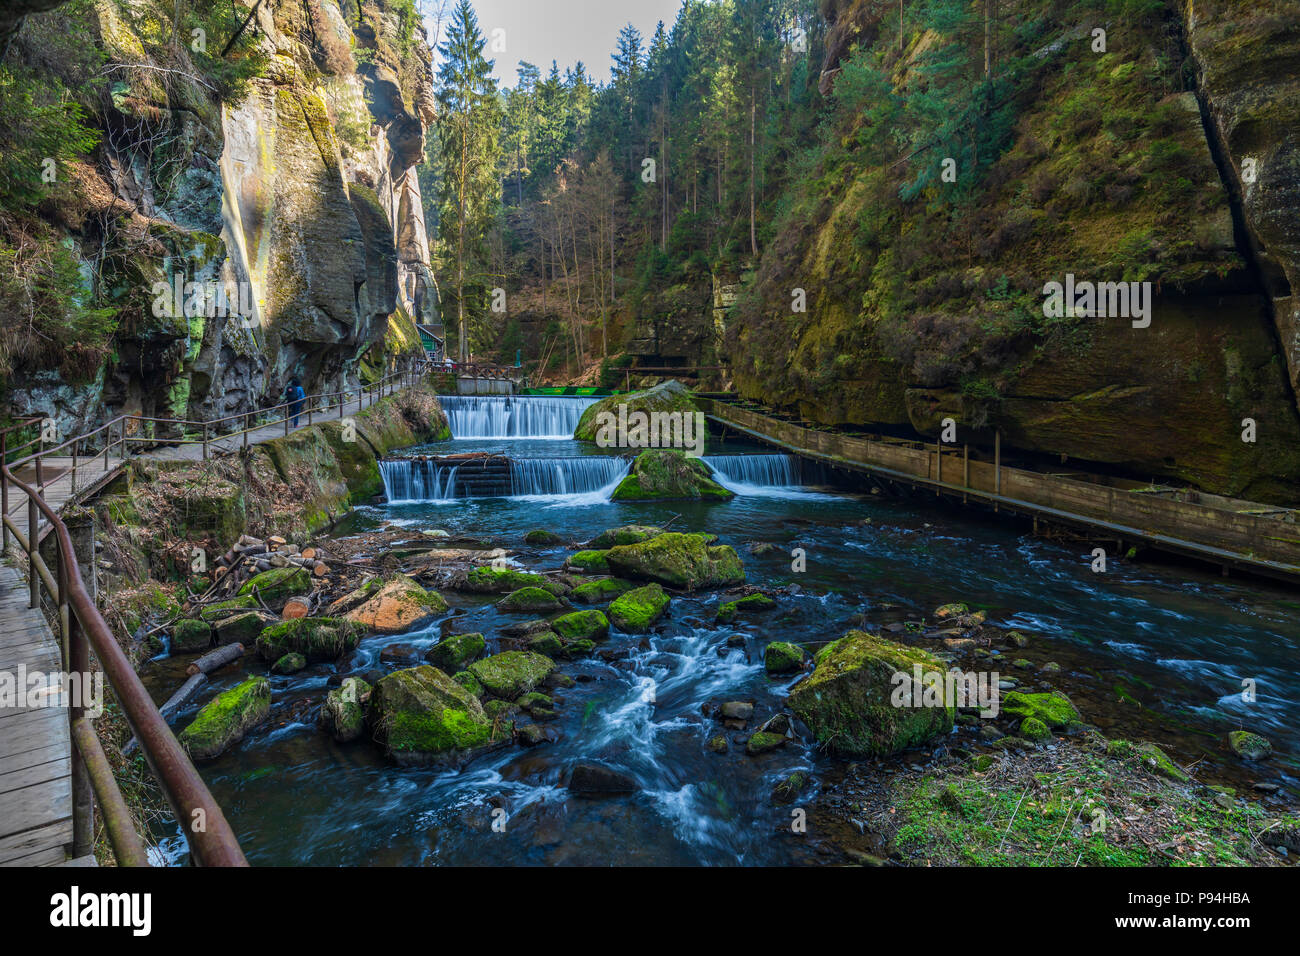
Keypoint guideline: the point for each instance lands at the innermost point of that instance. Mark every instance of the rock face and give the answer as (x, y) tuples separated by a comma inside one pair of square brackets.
[(684, 561), (297, 196), (422, 716), (225, 719), (666, 475), (849, 701), (397, 605)]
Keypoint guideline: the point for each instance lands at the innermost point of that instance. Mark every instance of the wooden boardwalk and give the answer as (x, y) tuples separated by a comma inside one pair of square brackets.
[(35, 743)]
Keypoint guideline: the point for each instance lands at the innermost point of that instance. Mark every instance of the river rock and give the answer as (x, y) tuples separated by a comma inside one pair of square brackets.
[(683, 561), (223, 721), (589, 624), (455, 651), (782, 657), (511, 673), (749, 603), (635, 611), (1053, 709), (290, 663), (762, 742), (588, 562), (737, 710), (422, 716), (240, 628), (594, 779), (489, 579), (276, 586), (189, 637), (397, 605), (850, 704), (599, 591), (542, 538), (1249, 746), (662, 474), (605, 419), (343, 713), (316, 638), (627, 534), (529, 600), (399, 654)]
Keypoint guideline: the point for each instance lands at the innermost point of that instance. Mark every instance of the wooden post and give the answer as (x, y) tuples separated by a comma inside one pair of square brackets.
[(75, 443), (965, 471), (4, 507), (245, 430), (997, 466), (205, 441)]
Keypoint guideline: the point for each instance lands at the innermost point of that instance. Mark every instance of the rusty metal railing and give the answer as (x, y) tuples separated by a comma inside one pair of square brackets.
[(83, 629)]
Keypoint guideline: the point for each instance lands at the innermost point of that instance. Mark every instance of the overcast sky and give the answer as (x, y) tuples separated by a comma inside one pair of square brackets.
[(562, 30)]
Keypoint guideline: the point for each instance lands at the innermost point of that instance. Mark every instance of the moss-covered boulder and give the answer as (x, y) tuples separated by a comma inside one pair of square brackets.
[(315, 638), (343, 712), (191, 636), (588, 562), (223, 721), (489, 579), (455, 651), (276, 586), (397, 605), (590, 624), (626, 534), (599, 591), (748, 604), (469, 682), (242, 628), (1249, 746), (667, 475), (290, 663), (223, 609), (422, 716), (861, 698), (683, 561), (511, 673), (620, 430), (1053, 709), (635, 611), (540, 537), (763, 742), (529, 600), (1033, 729), (782, 657)]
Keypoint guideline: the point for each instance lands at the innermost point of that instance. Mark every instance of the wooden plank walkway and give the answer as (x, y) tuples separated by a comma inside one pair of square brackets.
[(35, 743)]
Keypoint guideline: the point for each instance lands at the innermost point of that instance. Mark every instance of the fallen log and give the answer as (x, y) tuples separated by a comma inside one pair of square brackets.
[(213, 660)]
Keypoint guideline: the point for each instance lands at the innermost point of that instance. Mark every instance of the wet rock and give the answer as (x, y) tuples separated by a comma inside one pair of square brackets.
[(737, 710), (663, 474), (748, 604), (189, 637), (512, 673), (782, 657), (951, 610), (1051, 667), (776, 724), (543, 538), (588, 562), (788, 789), (684, 561), (589, 624), (316, 638), (594, 779), (599, 591), (547, 643), (717, 744), (862, 699), (422, 716), (343, 713), (490, 579), (241, 628), (761, 547), (290, 663), (1017, 639), (1053, 709), (530, 735), (223, 721), (397, 605), (627, 534), (454, 652), (223, 609), (529, 600), (761, 743), (1249, 746), (469, 682), (637, 610), (1033, 729), (399, 654)]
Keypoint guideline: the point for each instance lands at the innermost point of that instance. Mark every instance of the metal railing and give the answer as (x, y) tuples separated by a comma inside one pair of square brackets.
[(82, 628)]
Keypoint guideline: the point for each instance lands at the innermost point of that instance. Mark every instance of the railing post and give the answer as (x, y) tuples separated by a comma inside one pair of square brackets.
[(34, 578), (245, 430), (205, 441), (75, 443), (4, 508), (83, 796)]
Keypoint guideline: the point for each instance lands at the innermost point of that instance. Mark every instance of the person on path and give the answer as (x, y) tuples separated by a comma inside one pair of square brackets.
[(294, 394)]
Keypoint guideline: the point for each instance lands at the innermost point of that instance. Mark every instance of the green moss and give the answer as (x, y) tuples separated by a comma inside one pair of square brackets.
[(511, 673), (290, 663), (190, 636), (221, 609), (225, 719), (599, 591), (421, 715), (663, 475), (1053, 709), (277, 585), (469, 682), (589, 623), (1033, 729), (782, 657), (763, 742), (635, 611), (542, 538), (316, 638), (589, 562), (455, 651), (684, 561), (494, 580), (626, 534), (749, 603), (528, 600)]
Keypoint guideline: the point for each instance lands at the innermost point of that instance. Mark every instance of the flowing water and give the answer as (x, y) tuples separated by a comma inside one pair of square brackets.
[(1146, 652)]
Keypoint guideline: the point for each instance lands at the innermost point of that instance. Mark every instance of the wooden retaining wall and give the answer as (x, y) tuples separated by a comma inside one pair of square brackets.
[(1222, 532)]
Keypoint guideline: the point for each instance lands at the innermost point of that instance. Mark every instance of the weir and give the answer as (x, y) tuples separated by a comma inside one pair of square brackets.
[(513, 416), (445, 478)]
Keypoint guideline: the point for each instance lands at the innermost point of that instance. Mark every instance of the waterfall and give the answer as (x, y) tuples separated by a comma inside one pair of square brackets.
[(408, 481), (566, 476), (513, 416), (755, 471)]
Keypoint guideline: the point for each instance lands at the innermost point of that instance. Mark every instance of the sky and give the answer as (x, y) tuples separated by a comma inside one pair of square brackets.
[(562, 30)]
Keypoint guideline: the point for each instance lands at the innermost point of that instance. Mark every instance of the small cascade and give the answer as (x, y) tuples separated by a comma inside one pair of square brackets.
[(566, 476), (513, 416), (755, 471), (411, 480)]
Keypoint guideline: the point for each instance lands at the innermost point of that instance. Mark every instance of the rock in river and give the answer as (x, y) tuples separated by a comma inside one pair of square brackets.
[(225, 719)]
